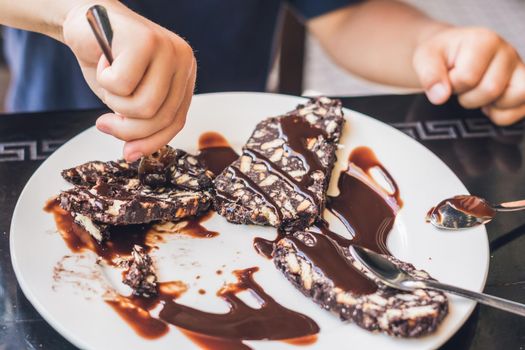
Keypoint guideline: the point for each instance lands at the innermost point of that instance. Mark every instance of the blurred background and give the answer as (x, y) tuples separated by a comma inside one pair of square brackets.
[(320, 75)]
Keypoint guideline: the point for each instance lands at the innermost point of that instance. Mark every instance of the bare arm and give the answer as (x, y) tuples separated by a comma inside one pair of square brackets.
[(392, 43), (375, 40), (42, 16)]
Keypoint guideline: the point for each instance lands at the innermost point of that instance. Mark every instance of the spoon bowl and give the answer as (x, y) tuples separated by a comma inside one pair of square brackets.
[(467, 211), (461, 212)]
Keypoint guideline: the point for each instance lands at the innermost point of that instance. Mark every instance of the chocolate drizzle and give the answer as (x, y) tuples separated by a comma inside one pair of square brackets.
[(365, 159), (296, 131), (271, 321), (265, 246), (215, 152), (328, 256), (122, 238), (367, 212), (194, 227), (276, 170), (237, 173), (217, 331)]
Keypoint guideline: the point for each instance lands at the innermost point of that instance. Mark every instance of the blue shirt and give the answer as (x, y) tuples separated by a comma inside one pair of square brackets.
[(232, 39)]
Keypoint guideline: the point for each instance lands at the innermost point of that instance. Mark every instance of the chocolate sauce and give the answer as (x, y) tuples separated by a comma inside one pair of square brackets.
[(218, 331), (367, 212), (328, 257), (122, 240), (297, 131), (365, 159), (237, 173), (364, 213), (265, 246), (215, 152), (276, 170), (194, 227), (271, 321), (135, 311), (302, 341), (430, 212), (211, 343), (139, 319)]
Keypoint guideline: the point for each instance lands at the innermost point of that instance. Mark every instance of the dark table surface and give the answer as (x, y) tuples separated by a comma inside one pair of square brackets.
[(488, 159)]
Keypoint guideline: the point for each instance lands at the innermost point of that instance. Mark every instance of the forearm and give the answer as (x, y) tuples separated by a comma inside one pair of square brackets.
[(376, 39), (42, 16)]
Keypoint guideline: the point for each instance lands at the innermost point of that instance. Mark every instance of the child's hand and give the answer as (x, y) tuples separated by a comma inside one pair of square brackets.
[(476, 64), (150, 84)]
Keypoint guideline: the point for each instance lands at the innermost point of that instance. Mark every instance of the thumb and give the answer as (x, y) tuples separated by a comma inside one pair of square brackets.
[(430, 64)]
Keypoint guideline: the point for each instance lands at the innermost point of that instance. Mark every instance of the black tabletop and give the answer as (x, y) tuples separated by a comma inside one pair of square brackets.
[(488, 159)]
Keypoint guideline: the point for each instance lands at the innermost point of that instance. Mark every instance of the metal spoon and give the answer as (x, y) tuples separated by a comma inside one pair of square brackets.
[(394, 277), (464, 211)]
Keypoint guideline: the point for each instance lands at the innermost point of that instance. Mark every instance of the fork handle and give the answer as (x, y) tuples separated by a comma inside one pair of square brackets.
[(98, 19), (490, 300)]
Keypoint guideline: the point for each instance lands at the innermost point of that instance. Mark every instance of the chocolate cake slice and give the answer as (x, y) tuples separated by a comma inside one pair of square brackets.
[(327, 273), (90, 173), (140, 274), (283, 173), (111, 193)]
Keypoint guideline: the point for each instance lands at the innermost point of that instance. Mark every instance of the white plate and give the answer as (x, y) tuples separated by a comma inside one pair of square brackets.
[(459, 258)]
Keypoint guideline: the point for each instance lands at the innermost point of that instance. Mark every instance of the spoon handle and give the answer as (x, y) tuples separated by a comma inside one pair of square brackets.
[(98, 19), (490, 300), (510, 206)]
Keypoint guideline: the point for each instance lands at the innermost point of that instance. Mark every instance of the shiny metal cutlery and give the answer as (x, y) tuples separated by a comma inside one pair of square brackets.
[(395, 277)]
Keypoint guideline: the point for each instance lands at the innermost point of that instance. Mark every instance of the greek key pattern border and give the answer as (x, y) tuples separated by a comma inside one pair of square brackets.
[(18, 151), (452, 129)]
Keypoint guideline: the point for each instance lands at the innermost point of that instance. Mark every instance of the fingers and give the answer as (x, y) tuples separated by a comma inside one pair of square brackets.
[(430, 65), (135, 149), (477, 49), (494, 81), (131, 61), (148, 97), (127, 129), (505, 117), (514, 95), (130, 128)]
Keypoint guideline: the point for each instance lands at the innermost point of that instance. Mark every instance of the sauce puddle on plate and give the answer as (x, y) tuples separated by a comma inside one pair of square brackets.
[(271, 321)]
